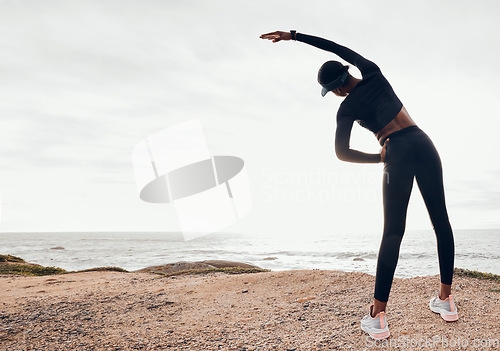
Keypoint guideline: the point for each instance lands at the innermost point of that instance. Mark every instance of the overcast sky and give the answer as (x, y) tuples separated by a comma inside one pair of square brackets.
[(82, 82)]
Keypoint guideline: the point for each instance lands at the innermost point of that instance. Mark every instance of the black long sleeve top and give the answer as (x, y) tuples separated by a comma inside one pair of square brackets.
[(372, 102)]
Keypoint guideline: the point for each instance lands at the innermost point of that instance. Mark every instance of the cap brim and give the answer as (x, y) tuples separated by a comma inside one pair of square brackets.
[(334, 84)]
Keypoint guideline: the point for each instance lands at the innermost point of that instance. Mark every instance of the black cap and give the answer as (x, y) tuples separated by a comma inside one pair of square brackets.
[(332, 75)]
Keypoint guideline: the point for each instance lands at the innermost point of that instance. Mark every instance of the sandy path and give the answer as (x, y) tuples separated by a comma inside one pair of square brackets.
[(281, 310)]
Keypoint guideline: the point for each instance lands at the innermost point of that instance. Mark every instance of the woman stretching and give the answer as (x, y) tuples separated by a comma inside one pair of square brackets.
[(407, 153)]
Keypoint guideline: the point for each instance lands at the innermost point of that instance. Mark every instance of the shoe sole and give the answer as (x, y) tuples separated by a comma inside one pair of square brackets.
[(444, 314), (377, 334)]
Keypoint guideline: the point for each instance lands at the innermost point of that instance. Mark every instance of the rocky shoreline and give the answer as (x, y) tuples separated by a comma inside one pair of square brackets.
[(281, 310)]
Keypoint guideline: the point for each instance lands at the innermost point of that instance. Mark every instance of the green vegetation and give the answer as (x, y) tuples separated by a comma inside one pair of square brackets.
[(15, 265), (23, 268), (460, 272), (228, 270), (28, 269), (9, 258), (36, 270)]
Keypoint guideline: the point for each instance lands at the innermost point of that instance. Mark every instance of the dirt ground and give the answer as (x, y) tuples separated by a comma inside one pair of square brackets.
[(278, 310)]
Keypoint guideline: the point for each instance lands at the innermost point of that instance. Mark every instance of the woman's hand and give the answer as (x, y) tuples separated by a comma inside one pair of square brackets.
[(277, 36), (383, 152)]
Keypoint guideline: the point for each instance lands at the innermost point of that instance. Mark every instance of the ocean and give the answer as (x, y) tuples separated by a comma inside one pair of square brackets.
[(474, 249)]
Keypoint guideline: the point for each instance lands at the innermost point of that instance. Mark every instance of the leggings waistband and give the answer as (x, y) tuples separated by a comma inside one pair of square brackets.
[(401, 131)]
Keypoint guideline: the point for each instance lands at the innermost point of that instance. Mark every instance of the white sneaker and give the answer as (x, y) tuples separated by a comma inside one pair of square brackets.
[(376, 326), (446, 308)]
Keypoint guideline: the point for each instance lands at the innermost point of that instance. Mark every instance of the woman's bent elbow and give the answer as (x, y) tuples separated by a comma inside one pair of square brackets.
[(341, 155)]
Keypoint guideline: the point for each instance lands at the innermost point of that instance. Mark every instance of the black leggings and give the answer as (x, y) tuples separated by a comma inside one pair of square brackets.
[(411, 154)]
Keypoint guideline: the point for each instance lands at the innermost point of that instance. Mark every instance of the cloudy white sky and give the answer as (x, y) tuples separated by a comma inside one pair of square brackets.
[(82, 82)]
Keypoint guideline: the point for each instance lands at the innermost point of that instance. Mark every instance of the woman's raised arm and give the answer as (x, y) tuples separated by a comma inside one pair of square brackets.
[(364, 65)]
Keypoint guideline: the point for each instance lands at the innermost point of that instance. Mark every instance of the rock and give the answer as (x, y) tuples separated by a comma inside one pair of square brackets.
[(175, 267), (224, 264), (358, 259), (187, 265)]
